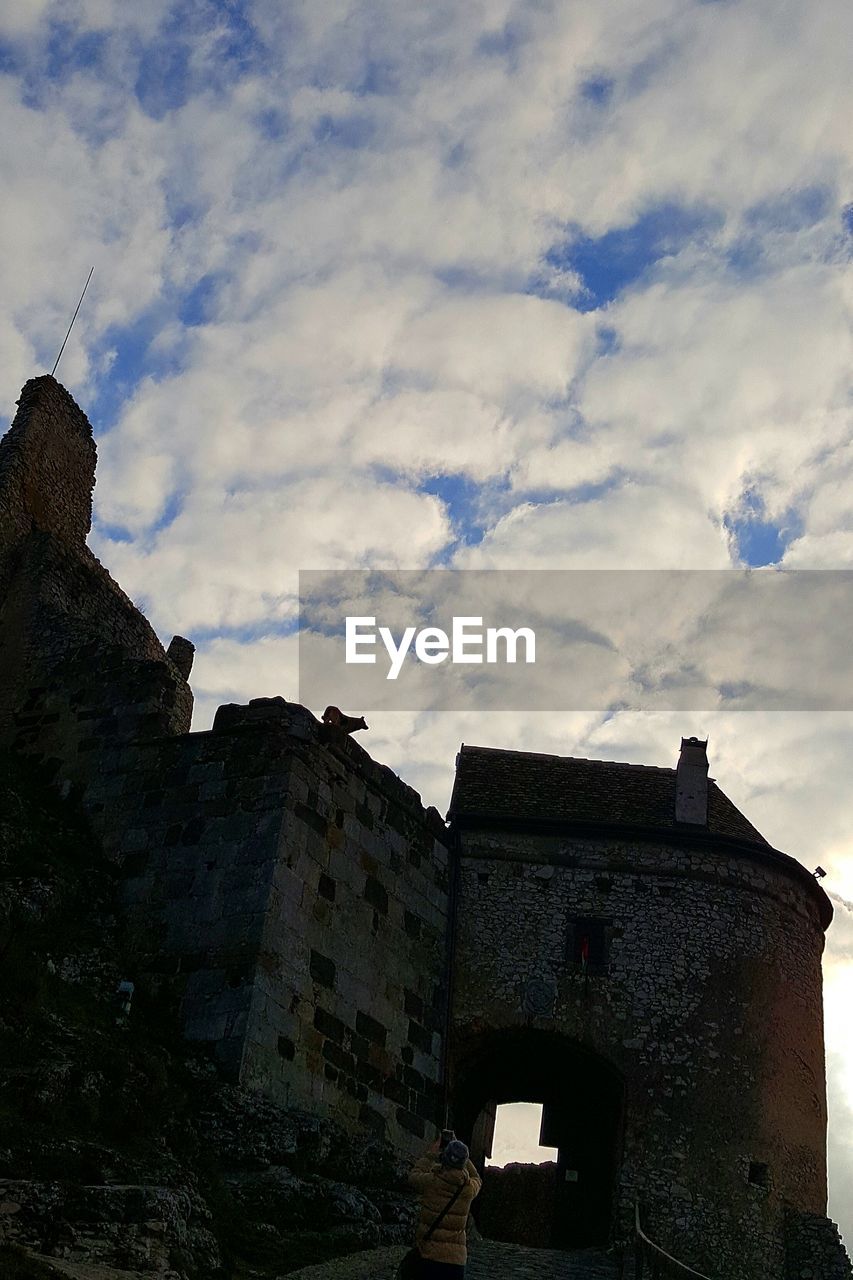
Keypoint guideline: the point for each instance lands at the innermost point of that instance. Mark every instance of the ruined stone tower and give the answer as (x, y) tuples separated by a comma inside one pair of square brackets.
[(80, 667), (617, 942)]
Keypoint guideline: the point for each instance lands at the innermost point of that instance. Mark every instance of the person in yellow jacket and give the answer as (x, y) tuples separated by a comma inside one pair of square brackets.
[(444, 1175)]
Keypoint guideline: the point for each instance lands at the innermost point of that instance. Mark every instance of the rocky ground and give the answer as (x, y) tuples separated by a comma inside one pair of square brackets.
[(122, 1153), (487, 1260)]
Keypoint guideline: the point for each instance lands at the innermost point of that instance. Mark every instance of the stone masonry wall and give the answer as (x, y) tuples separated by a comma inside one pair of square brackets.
[(814, 1250), (292, 894), (195, 822), (80, 667), (47, 469), (710, 1008), (349, 1004)]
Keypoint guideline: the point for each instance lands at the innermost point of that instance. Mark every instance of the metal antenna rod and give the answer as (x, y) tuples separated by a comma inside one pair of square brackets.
[(73, 318)]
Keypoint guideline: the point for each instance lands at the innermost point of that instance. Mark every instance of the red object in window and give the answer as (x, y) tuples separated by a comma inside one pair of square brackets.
[(584, 951)]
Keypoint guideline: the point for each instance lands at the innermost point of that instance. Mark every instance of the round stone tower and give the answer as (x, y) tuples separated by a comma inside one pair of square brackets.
[(633, 954)]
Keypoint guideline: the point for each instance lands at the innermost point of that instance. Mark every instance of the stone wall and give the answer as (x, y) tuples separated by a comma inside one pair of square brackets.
[(47, 468), (813, 1249), (709, 1005), (517, 1203), (350, 1004), (80, 667), (293, 894)]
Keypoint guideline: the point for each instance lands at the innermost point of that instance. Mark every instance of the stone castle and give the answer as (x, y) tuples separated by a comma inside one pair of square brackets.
[(614, 941)]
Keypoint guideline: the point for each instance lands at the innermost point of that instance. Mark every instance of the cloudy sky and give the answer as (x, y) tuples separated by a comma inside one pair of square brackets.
[(508, 283)]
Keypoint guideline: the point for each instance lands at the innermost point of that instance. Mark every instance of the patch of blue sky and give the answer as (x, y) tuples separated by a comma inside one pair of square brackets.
[(504, 43), (170, 69), (471, 505), (637, 78), (130, 353), (197, 306), (737, 691), (272, 123), (380, 77), (598, 90), (474, 507), (172, 508), (609, 264), (64, 53), (163, 81), (239, 44), (606, 340), (11, 59), (456, 156), (462, 497), (793, 210), (249, 633), (746, 257), (847, 219), (758, 540), (183, 208), (349, 132), (751, 254), (112, 532)]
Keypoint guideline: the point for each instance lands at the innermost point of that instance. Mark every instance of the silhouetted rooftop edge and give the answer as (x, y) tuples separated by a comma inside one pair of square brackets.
[(526, 784)]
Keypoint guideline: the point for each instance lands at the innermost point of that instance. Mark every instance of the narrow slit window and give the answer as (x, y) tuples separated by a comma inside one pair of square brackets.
[(588, 945)]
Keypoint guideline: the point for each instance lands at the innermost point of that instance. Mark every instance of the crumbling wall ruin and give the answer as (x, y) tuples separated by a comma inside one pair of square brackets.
[(81, 670)]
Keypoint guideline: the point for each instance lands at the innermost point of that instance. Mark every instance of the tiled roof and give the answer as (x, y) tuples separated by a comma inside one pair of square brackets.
[(521, 785)]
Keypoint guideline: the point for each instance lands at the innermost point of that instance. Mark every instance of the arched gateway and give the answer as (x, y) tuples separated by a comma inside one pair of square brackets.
[(582, 1097)]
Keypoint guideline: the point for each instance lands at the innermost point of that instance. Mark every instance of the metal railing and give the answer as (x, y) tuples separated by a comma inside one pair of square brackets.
[(653, 1261)]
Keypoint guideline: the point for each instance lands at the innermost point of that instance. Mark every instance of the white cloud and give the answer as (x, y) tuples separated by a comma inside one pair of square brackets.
[(630, 527), (233, 562), (501, 347), (20, 17)]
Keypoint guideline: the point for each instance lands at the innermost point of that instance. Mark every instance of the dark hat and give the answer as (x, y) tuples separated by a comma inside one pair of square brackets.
[(455, 1155)]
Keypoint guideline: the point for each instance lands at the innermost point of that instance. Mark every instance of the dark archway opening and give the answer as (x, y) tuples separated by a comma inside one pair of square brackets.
[(582, 1097)]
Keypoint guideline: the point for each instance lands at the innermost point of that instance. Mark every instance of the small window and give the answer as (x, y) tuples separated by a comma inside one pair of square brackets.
[(759, 1174), (587, 945)]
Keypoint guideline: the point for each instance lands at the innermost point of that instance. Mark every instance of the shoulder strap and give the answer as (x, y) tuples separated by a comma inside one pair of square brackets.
[(451, 1202)]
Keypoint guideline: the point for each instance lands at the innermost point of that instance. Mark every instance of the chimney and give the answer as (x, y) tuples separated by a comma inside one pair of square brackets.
[(691, 782)]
